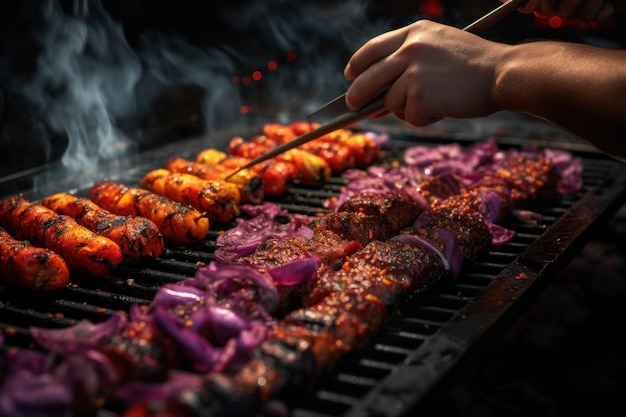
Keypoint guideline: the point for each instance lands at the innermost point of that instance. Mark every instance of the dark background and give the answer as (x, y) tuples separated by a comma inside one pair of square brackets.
[(93, 76), (156, 71)]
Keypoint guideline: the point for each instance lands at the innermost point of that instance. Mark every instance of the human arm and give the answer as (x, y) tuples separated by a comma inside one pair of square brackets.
[(434, 71), (579, 87)]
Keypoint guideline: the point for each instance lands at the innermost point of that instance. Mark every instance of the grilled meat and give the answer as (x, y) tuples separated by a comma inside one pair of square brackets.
[(282, 363), (386, 270), (355, 226), (398, 208), (82, 249), (217, 198), (325, 244), (290, 355), (330, 247), (177, 222), (138, 237), (527, 175), (139, 353), (304, 345), (457, 214), (29, 267), (439, 187), (371, 216), (345, 319)]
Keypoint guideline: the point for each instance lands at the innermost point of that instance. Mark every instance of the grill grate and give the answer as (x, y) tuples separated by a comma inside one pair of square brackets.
[(418, 351)]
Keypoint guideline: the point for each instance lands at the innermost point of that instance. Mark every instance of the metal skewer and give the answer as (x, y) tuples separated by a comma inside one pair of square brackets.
[(349, 117)]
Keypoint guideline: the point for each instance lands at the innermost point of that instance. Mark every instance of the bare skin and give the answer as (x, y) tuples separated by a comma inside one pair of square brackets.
[(434, 71)]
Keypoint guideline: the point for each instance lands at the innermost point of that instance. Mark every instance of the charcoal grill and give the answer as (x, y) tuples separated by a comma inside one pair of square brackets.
[(416, 356)]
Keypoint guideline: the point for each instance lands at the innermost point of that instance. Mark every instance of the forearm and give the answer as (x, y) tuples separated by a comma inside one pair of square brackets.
[(578, 87)]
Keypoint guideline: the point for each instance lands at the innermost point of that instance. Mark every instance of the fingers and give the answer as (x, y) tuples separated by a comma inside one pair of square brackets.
[(409, 101), (417, 121), (373, 51), (396, 96), (374, 79), (372, 68)]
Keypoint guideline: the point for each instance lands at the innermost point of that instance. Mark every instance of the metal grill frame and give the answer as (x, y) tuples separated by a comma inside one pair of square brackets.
[(409, 365)]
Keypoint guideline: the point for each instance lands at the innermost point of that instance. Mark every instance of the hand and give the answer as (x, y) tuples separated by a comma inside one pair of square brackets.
[(596, 10), (431, 71)]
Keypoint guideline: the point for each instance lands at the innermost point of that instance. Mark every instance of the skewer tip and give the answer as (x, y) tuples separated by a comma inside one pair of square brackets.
[(232, 174)]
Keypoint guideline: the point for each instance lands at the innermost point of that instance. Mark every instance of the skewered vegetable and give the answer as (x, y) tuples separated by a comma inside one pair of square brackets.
[(278, 176), (249, 183), (334, 147), (312, 170)]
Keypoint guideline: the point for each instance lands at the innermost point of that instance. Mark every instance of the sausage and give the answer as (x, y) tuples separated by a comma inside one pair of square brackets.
[(138, 237), (177, 222), (82, 249), (30, 267), (218, 199)]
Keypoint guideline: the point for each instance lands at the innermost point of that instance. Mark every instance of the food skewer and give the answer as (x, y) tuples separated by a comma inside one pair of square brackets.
[(177, 222), (83, 250), (23, 265), (138, 237)]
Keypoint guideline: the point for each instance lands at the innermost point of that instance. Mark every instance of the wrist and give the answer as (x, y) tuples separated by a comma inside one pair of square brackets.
[(505, 92)]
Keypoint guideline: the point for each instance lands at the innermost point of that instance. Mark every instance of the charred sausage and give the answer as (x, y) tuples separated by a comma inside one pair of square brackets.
[(30, 267), (177, 222), (82, 249), (217, 198), (138, 237)]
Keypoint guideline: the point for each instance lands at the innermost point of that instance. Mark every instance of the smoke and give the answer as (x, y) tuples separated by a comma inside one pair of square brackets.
[(87, 83), (80, 81)]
